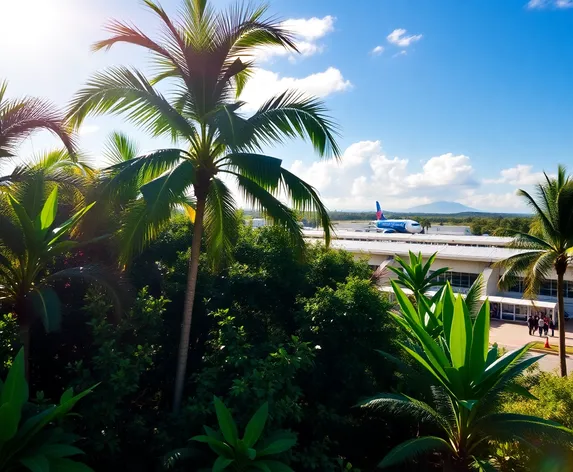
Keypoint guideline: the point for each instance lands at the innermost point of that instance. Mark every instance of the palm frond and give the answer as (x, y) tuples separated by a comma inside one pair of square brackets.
[(19, 118), (279, 213), (413, 448), (305, 198), (221, 222), (120, 90), (119, 148), (474, 294), (291, 114)]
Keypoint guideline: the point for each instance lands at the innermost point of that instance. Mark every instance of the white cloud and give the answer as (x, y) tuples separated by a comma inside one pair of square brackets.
[(265, 84), (307, 32), (366, 174), (446, 169), (560, 4), (508, 201), (401, 53), (518, 176), (399, 37), (88, 129), (377, 50)]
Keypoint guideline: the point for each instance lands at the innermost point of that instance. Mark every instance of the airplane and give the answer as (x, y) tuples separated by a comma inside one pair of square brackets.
[(384, 225)]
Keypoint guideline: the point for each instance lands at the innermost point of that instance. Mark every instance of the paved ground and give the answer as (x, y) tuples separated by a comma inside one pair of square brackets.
[(512, 335)]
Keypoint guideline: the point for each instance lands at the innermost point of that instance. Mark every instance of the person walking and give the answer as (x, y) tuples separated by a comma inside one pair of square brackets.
[(546, 326), (530, 324), (541, 325), (552, 327), (535, 323)]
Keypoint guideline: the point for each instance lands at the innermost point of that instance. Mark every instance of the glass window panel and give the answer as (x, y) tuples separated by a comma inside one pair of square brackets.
[(545, 288)]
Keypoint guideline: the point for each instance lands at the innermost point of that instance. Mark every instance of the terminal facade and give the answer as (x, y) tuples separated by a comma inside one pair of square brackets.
[(466, 257)]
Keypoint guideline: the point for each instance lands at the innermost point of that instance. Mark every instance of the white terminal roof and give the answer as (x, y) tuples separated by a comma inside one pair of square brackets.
[(486, 249), (445, 251), (413, 238)]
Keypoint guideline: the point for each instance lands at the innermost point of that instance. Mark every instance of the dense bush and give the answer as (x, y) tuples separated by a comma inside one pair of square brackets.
[(299, 331)]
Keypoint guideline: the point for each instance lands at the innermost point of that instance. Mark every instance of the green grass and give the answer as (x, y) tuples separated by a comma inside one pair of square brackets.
[(553, 346)]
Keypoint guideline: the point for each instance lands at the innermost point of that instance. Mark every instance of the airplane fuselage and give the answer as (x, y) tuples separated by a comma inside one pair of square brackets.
[(399, 226)]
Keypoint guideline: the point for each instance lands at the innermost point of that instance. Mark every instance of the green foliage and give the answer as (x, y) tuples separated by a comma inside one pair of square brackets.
[(249, 452), (8, 339), (33, 442), (468, 380), (416, 275), (121, 356)]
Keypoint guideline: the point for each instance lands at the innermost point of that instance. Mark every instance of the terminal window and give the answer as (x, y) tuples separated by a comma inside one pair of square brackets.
[(458, 279), (548, 288)]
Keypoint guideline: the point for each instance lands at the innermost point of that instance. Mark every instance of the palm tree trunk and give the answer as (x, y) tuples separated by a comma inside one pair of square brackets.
[(561, 321), (188, 308)]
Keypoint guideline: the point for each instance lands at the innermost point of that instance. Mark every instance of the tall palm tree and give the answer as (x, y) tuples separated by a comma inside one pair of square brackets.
[(549, 250), (207, 57), (20, 117)]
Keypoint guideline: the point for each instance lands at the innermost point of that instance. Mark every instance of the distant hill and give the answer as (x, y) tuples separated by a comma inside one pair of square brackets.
[(442, 208)]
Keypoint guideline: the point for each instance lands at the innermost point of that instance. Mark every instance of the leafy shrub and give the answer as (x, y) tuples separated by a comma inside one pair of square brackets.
[(251, 451), (120, 419), (33, 441)]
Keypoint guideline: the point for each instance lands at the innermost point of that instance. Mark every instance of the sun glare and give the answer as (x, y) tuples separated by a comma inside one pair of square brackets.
[(33, 22)]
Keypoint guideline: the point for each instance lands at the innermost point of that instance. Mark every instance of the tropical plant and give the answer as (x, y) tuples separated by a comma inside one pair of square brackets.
[(246, 453), (209, 56), (419, 278), (468, 380), (416, 275), (33, 442), (425, 223), (29, 240), (21, 117), (550, 249)]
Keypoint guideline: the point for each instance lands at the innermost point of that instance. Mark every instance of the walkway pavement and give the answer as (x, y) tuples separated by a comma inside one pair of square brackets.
[(513, 335)]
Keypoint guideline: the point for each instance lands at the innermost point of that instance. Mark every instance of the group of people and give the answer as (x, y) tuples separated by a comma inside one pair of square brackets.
[(541, 323)]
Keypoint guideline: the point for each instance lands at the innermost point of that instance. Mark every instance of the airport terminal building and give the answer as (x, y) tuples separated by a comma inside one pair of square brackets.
[(466, 257)]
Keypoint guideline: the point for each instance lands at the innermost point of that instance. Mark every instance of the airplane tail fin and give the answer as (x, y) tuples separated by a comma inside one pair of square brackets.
[(379, 214)]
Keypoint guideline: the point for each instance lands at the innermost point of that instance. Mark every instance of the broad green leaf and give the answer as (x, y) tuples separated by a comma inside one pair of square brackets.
[(460, 335), (520, 390), (68, 465), (480, 342), (280, 442), (31, 236), (272, 466), (60, 450), (221, 463), (434, 352), (46, 305), (409, 450), (9, 419), (256, 426), (218, 447), (48, 213), (69, 224), (226, 422), (36, 463), (448, 308), (15, 388), (67, 396), (442, 377)]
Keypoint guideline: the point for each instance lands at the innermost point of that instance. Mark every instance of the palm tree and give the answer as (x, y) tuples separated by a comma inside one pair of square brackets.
[(29, 240), (467, 379), (425, 223), (19, 118), (549, 249), (207, 56)]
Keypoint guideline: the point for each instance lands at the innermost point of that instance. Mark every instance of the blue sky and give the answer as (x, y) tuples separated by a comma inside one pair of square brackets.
[(463, 101)]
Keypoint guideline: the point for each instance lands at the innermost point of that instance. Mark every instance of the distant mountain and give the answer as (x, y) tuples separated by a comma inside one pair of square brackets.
[(442, 207)]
